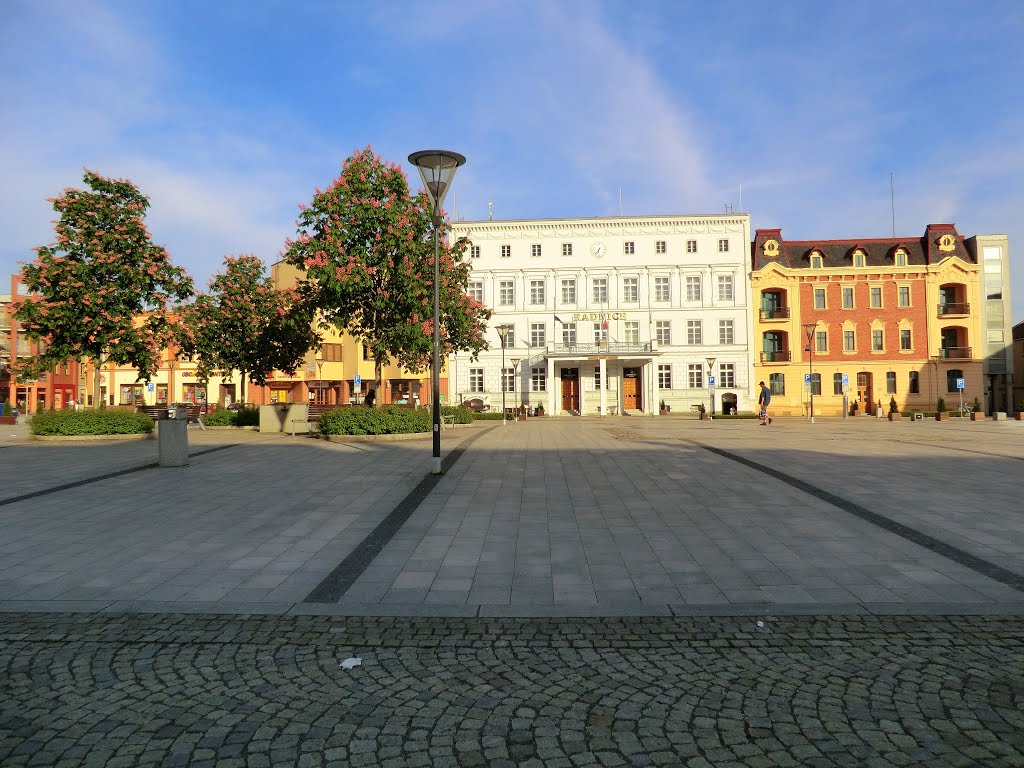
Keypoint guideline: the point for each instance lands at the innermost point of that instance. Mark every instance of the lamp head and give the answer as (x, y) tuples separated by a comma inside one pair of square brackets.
[(437, 168)]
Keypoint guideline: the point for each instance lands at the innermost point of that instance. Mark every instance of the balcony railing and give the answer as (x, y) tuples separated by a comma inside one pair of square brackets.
[(956, 353), (958, 308), (778, 356), (602, 348), (779, 313)]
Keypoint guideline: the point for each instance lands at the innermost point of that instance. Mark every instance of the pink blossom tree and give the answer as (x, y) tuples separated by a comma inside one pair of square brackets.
[(103, 290), (366, 245), (245, 324)]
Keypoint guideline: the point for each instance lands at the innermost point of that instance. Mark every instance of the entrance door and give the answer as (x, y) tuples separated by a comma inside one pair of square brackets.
[(571, 389), (864, 392), (632, 400)]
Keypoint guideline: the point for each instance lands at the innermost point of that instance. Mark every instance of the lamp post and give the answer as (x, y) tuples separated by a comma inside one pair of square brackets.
[(935, 378), (503, 335), (809, 333), (437, 169), (711, 386)]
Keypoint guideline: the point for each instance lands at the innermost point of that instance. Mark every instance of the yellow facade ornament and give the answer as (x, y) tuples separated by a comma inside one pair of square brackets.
[(771, 248), (947, 243)]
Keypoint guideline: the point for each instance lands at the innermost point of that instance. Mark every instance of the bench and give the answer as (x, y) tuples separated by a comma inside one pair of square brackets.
[(447, 421), (157, 412), (312, 420)]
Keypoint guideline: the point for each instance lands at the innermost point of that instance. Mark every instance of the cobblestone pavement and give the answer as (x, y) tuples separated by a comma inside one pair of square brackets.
[(175, 690)]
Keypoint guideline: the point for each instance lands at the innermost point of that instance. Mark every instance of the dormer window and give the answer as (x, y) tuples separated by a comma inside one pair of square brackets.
[(816, 261), (859, 260), (900, 258)]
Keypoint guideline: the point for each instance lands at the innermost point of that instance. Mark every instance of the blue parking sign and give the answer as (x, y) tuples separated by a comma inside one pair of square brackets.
[(960, 384), (807, 378), (711, 381), (358, 380)]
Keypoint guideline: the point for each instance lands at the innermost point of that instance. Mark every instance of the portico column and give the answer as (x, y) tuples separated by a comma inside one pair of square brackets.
[(550, 406), (604, 386)]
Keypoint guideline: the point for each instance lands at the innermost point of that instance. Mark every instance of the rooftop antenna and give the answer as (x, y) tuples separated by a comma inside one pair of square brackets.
[(490, 210), (728, 208), (892, 203)]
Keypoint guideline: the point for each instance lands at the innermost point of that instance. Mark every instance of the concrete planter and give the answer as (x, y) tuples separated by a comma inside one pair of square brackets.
[(943, 416), (895, 417), (978, 416), (1019, 415)]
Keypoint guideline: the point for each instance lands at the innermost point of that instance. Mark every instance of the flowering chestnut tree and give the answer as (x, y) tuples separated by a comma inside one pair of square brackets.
[(367, 248), (102, 290), (245, 324)]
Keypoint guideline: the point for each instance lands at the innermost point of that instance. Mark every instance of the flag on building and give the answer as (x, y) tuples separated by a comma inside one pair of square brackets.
[(559, 320)]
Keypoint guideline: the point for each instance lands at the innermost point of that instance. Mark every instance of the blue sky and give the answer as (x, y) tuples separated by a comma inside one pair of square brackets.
[(228, 114)]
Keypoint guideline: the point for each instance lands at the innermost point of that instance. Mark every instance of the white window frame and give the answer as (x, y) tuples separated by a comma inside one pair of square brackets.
[(695, 375), (660, 246), (506, 293), (476, 379), (725, 288), (599, 290), (567, 249), (539, 379), (629, 247), (663, 332), (691, 246), (723, 245), (538, 335), (506, 251), (694, 332), (630, 290), (727, 375), (726, 332), (662, 288), (569, 290), (537, 292), (664, 376), (694, 286), (535, 250)]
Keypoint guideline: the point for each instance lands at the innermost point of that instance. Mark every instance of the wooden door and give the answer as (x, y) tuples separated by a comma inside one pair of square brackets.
[(632, 400), (571, 389), (864, 392)]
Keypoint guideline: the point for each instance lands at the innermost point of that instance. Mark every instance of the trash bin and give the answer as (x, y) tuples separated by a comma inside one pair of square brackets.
[(172, 434)]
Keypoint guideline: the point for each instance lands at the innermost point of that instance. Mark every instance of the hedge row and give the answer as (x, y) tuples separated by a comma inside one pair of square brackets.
[(385, 420), (222, 417), (90, 422)]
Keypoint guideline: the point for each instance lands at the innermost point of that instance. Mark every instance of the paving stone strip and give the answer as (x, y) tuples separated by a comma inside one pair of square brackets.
[(939, 547), (105, 476), (232, 692), (337, 583)]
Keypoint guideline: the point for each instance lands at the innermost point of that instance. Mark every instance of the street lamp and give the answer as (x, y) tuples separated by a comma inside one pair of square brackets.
[(935, 378), (503, 334), (711, 386), (437, 169), (809, 333)]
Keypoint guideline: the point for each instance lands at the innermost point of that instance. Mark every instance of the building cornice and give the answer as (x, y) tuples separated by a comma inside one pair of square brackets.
[(602, 227)]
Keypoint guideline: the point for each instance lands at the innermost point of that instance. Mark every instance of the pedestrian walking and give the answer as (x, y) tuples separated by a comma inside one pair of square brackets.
[(762, 400), (370, 397)]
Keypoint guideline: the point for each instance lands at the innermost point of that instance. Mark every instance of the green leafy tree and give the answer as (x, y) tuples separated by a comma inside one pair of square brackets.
[(366, 245), (245, 324), (102, 290)]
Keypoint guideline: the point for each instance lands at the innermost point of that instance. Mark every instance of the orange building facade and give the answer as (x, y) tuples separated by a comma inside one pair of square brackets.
[(863, 322)]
